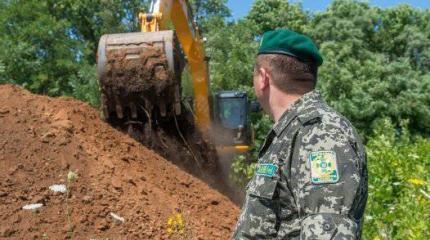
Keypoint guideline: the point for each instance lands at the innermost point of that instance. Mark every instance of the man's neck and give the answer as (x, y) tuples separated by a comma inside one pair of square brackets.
[(281, 104)]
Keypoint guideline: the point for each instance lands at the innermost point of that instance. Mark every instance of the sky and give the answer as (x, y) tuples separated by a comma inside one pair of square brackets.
[(240, 8)]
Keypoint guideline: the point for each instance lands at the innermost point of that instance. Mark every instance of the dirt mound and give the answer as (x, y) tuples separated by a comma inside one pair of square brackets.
[(43, 139)]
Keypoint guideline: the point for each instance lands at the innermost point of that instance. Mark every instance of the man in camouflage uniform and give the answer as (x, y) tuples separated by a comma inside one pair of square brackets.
[(311, 177)]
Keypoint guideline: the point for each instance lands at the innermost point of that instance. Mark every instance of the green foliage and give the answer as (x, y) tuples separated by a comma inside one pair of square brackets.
[(399, 185), (53, 43), (241, 170), (408, 31), (232, 50), (90, 19), (205, 10), (85, 85), (2, 75), (2, 67), (43, 54), (267, 15), (363, 77)]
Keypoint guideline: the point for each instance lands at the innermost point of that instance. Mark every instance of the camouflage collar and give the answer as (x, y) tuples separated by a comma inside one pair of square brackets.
[(295, 109)]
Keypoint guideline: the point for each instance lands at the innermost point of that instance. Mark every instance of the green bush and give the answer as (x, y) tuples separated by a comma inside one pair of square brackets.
[(399, 191), (85, 86), (2, 70)]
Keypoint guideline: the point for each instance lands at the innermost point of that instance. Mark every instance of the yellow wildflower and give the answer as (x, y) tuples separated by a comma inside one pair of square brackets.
[(170, 221), (416, 181), (176, 225), (179, 219)]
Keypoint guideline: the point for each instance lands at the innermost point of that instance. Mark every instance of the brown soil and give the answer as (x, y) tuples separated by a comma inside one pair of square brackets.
[(42, 139), (146, 70)]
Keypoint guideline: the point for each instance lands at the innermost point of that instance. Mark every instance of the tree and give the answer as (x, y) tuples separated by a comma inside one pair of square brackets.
[(267, 15), (44, 55), (359, 77), (90, 19), (206, 9), (404, 27), (232, 48), (54, 43)]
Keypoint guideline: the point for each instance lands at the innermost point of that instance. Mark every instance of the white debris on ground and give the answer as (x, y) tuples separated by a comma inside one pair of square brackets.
[(32, 207), (58, 188), (117, 218)]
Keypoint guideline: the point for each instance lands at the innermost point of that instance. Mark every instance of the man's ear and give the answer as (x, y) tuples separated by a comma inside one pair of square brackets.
[(264, 78)]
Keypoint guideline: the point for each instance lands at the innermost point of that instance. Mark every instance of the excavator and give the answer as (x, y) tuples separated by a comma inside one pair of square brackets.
[(140, 80)]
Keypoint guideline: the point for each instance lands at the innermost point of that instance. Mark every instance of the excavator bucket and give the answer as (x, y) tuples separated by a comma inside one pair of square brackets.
[(139, 76)]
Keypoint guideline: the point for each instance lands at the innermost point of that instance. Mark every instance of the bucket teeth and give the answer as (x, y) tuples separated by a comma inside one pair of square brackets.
[(133, 110), (162, 107), (139, 76), (118, 108), (104, 106)]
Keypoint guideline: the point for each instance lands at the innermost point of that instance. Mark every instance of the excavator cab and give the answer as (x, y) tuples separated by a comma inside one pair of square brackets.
[(231, 118)]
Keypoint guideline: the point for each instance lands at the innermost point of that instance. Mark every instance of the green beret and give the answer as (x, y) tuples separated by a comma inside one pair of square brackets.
[(284, 41)]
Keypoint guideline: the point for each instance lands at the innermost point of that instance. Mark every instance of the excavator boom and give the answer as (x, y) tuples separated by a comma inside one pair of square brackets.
[(178, 13)]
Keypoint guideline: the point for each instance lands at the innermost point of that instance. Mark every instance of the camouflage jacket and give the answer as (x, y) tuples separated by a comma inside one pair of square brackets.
[(311, 178)]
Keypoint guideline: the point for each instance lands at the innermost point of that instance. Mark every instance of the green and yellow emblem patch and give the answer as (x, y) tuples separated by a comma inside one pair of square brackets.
[(266, 169), (323, 167)]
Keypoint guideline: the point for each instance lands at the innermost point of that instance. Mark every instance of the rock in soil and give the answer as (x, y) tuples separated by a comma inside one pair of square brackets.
[(150, 189)]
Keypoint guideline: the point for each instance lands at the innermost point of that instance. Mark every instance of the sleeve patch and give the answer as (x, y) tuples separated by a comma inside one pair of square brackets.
[(268, 170), (323, 167)]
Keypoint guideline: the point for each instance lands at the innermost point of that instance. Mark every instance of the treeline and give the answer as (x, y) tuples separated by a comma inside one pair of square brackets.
[(50, 46), (376, 73), (377, 61)]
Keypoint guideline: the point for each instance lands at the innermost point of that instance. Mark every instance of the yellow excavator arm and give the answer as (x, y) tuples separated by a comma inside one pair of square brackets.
[(140, 79), (164, 14)]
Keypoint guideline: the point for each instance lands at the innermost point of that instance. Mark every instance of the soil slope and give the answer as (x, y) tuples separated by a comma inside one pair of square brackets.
[(42, 139)]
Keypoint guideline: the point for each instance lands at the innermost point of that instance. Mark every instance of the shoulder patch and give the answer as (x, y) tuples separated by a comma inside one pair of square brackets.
[(309, 117), (266, 169), (323, 167)]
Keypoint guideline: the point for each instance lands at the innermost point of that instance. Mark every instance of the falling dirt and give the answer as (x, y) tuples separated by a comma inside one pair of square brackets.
[(140, 96), (43, 139)]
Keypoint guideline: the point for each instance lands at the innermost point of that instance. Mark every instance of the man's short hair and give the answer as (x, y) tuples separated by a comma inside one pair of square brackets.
[(289, 74)]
